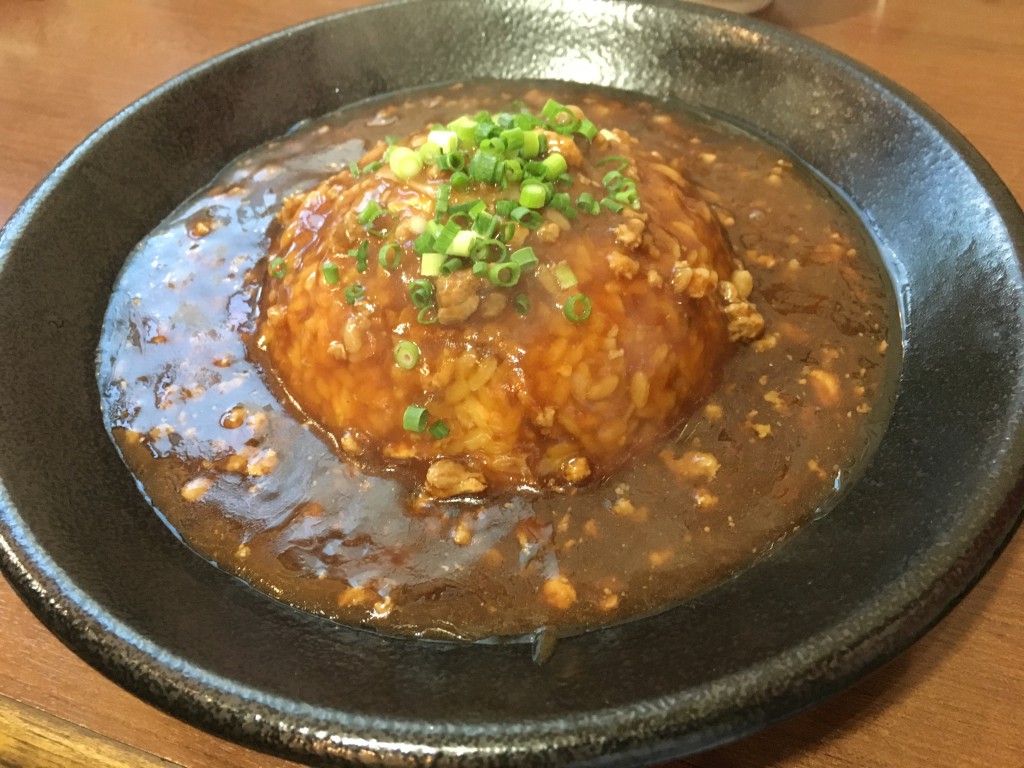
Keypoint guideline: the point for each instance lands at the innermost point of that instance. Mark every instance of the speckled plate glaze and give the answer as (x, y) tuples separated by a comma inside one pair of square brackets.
[(938, 500)]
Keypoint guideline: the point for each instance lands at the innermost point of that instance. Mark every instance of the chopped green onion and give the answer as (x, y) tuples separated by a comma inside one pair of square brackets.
[(560, 117), (460, 179), (446, 236), (479, 269), (565, 276), (485, 224), (620, 160), (577, 308), (453, 161), (493, 146), (612, 205), (532, 195), (446, 140), (626, 196), (462, 244), (427, 315), (482, 167), (521, 303), (513, 169), (371, 167), (371, 211), (354, 293), (353, 168), (551, 108), (485, 130), (390, 140), (525, 120), (439, 430), (477, 208), (536, 169), (404, 162), (421, 293), (444, 192), (415, 418), (507, 231), (504, 274), (390, 262), (612, 179), (464, 127), (525, 258), (505, 207), (563, 204), (360, 254), (531, 144), (277, 268), (423, 243), (513, 139), (465, 207), (499, 175), (453, 264), (587, 129), (429, 152), (430, 264), (331, 274), (488, 250), (407, 355), (526, 217), (554, 166), (586, 202)]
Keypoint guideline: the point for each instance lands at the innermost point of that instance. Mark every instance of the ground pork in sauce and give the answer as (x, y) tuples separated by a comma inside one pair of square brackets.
[(263, 494)]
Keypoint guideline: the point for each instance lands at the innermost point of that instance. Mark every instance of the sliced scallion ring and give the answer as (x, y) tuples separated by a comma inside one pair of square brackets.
[(354, 293), (554, 166), (525, 258), (277, 268), (462, 244), (430, 264), (448, 141), (453, 264), (612, 205), (415, 418), (577, 308), (404, 162), (407, 355), (503, 274), (532, 195), (527, 217), (390, 256), (421, 293), (621, 162), (330, 272), (565, 276), (521, 303)]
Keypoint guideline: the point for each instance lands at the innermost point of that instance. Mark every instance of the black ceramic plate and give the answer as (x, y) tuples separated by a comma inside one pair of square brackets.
[(938, 500)]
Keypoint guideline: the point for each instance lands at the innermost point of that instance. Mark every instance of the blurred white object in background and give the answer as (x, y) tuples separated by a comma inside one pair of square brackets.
[(740, 6)]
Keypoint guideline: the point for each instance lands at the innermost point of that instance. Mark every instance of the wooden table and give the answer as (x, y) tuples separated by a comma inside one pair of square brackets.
[(952, 700)]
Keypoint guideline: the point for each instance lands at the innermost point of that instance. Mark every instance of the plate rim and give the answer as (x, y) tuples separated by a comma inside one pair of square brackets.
[(112, 648)]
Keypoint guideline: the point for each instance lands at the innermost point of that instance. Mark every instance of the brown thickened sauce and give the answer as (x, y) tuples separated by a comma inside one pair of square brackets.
[(230, 461)]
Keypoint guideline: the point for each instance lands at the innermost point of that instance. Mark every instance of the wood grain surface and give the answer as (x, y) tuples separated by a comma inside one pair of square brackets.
[(954, 699)]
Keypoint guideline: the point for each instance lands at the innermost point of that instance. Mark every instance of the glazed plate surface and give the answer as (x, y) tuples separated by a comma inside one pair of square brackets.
[(936, 503)]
